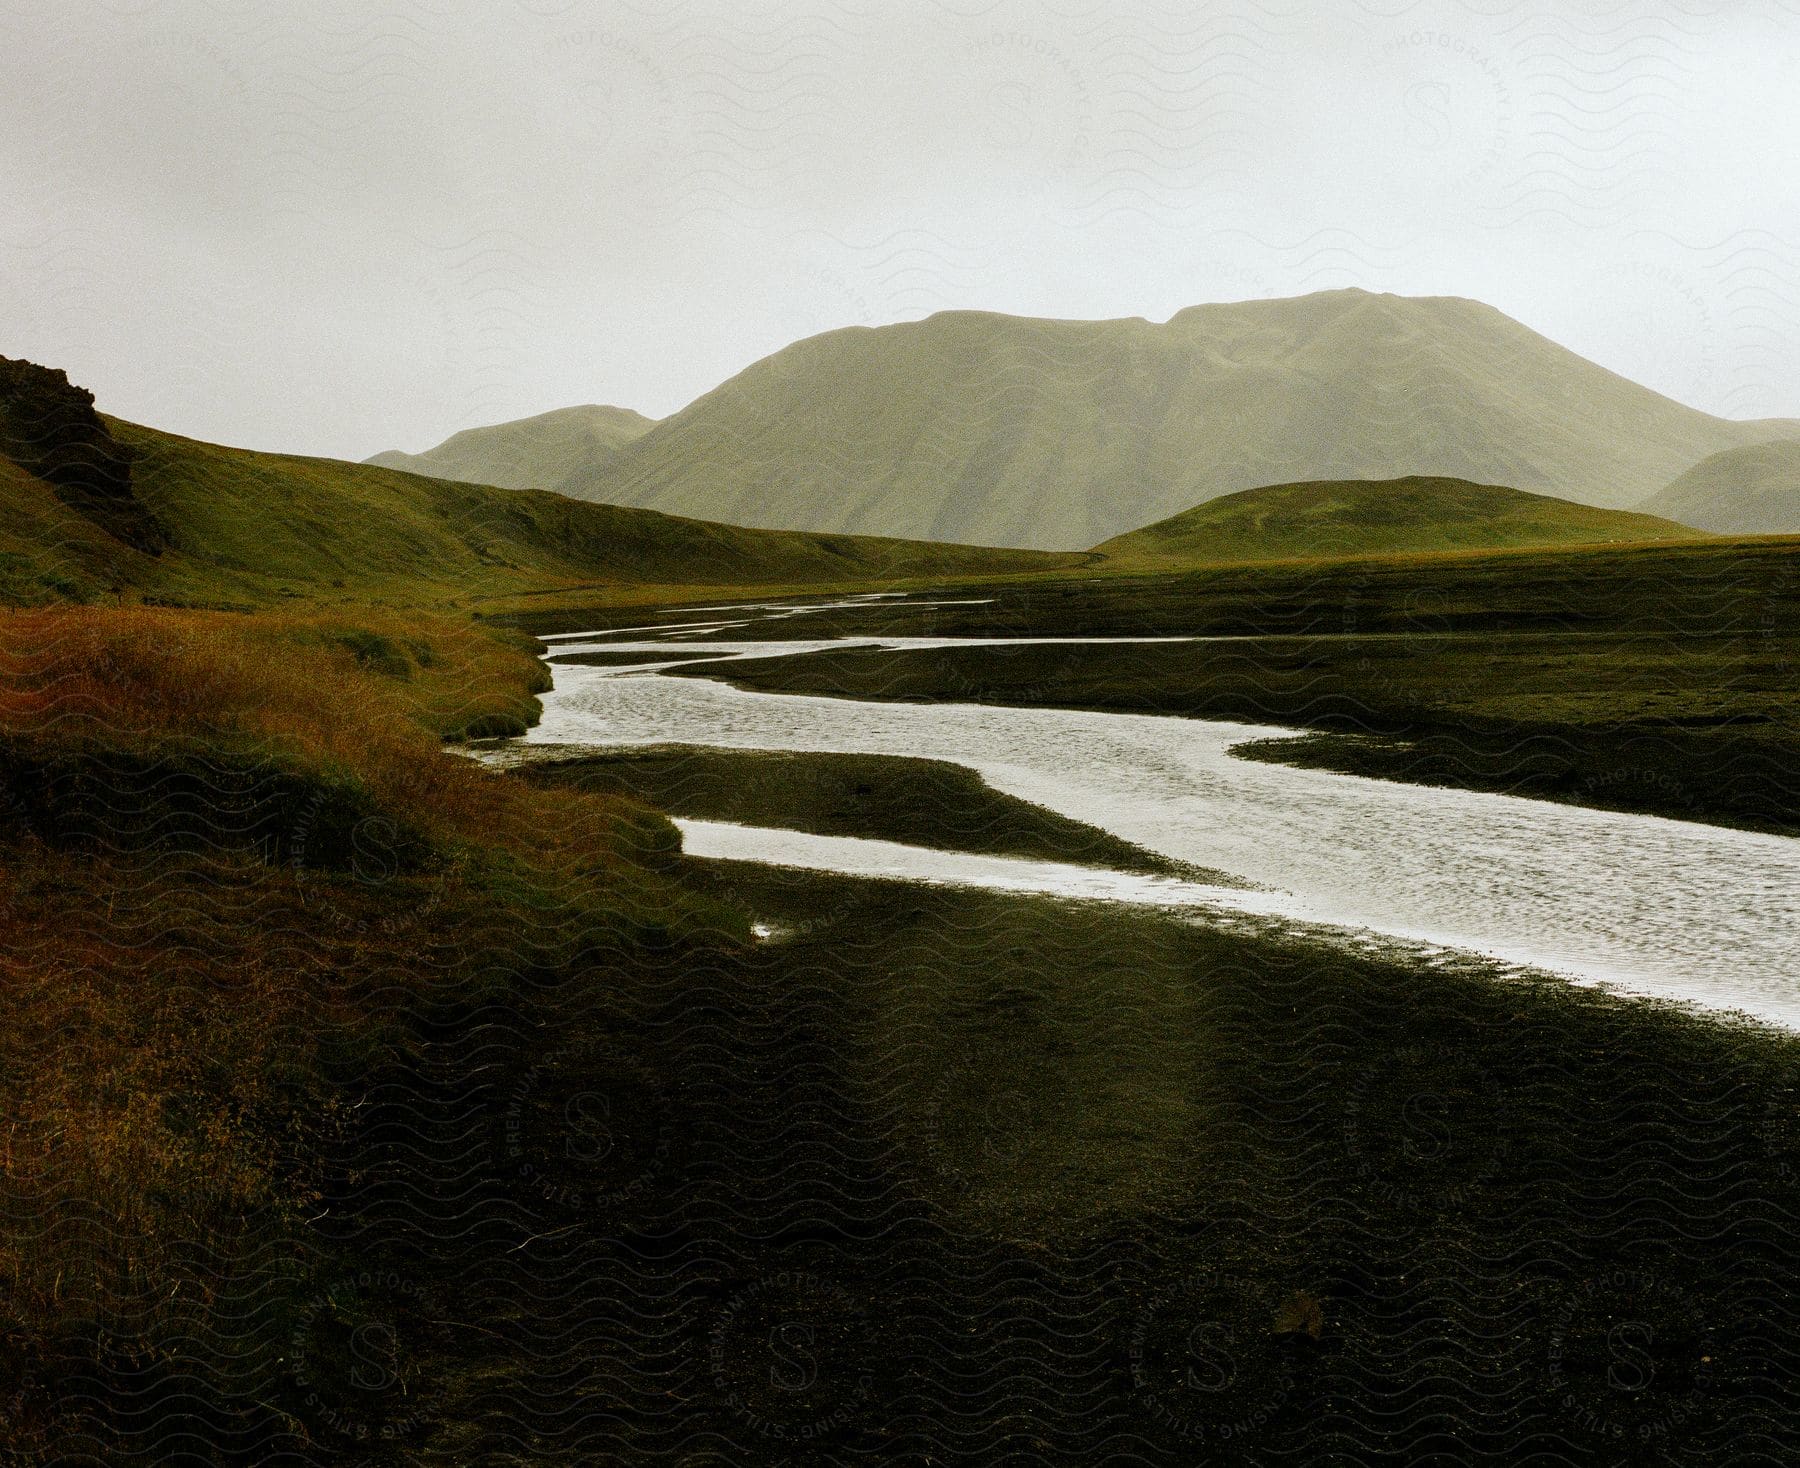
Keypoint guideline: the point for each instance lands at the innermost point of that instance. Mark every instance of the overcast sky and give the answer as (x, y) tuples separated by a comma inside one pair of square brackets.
[(338, 226)]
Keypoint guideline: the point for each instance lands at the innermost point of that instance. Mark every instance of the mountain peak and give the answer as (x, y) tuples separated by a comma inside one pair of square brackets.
[(540, 452), (1336, 302)]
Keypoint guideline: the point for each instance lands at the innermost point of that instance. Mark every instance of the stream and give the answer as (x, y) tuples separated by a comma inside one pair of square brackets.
[(1678, 910)]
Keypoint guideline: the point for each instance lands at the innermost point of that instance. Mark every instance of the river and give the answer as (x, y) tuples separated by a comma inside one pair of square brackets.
[(1673, 909)]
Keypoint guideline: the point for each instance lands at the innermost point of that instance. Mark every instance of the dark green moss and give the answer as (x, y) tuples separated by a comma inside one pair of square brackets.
[(493, 726), (1057, 1141), (48, 427), (380, 653), (916, 801)]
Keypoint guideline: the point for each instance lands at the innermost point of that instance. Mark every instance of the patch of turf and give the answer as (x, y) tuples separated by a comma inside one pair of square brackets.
[(916, 801), (620, 659)]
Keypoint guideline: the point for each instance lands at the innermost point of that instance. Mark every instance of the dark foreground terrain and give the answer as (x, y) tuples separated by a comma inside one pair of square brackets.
[(546, 1162), (952, 1178)]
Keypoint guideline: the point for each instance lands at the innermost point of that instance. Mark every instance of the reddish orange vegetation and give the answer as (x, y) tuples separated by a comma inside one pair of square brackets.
[(164, 1110), (363, 699), (295, 684)]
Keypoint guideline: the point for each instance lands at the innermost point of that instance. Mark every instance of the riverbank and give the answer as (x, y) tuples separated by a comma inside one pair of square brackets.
[(246, 897)]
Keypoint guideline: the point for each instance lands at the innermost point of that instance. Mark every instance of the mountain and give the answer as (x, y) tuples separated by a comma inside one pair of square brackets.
[(1002, 430), (92, 506), (1747, 491), (1376, 517), (528, 453)]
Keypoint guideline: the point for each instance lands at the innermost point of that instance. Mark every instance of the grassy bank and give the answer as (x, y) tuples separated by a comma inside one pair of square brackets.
[(916, 801)]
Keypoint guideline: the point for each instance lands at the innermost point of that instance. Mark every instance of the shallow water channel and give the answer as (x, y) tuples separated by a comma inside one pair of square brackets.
[(1675, 909)]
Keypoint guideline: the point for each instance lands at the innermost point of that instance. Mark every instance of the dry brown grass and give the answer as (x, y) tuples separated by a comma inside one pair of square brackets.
[(166, 1119), (294, 681)]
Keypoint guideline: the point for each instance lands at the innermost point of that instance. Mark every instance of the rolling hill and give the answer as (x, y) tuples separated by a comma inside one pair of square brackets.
[(1376, 517), (172, 519), (1000, 430), (528, 453), (1747, 491)]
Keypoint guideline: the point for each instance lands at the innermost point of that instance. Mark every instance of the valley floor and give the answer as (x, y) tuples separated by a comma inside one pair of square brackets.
[(366, 1106), (1652, 679)]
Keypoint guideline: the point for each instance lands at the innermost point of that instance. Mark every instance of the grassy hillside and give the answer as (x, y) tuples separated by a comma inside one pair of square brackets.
[(529, 453), (1378, 517), (50, 552), (999, 430), (242, 882), (1747, 491), (246, 527)]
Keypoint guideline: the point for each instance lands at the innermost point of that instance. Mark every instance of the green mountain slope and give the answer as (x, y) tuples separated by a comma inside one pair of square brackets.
[(1747, 491), (49, 551), (239, 526), (528, 453), (1003, 430), (1379, 517)]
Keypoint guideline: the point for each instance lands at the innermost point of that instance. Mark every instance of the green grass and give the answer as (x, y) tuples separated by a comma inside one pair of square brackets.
[(1363, 517), (916, 801), (49, 552), (249, 522), (250, 529)]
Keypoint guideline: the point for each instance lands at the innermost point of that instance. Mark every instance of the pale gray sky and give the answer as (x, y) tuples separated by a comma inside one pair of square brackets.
[(337, 226)]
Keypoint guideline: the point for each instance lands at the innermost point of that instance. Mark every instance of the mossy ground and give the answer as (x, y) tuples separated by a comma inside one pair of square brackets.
[(915, 801)]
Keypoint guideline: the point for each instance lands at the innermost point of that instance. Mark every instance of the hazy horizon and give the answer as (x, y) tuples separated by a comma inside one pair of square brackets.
[(327, 230)]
